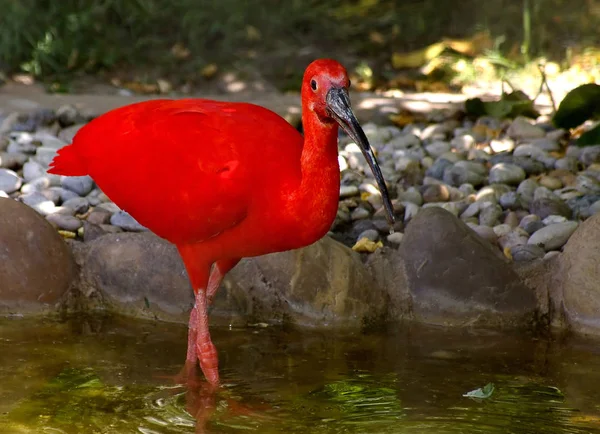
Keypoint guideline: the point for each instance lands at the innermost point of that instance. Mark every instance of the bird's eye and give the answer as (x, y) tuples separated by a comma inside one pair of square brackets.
[(313, 84)]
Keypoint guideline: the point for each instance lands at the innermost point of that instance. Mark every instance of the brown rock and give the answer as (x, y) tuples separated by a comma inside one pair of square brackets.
[(435, 193), (457, 278), (138, 275), (578, 275), (36, 266), (325, 284), (322, 285)]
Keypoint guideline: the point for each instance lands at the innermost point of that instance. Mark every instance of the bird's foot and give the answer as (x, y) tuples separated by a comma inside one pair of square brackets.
[(209, 360)]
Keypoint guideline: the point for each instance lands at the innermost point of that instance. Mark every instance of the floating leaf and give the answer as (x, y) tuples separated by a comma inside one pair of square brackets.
[(481, 393), (580, 104), (590, 138)]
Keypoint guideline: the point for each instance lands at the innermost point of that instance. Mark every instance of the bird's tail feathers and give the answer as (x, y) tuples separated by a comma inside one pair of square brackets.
[(67, 162)]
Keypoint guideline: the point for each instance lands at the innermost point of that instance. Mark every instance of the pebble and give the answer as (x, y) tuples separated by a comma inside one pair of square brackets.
[(9, 181), (503, 173), (65, 222), (348, 191), (510, 181), (81, 185), (554, 236), (526, 252), (395, 238), (124, 221), (370, 234)]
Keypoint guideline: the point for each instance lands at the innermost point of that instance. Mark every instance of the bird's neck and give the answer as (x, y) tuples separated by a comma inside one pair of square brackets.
[(319, 188)]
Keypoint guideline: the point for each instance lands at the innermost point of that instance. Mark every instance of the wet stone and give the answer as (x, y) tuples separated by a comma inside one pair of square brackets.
[(526, 252), (545, 207)]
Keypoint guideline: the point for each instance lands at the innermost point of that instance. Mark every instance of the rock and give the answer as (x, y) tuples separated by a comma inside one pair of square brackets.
[(348, 191), (395, 238), (64, 194), (68, 115), (33, 170), (526, 252), (459, 174), (437, 148), (68, 133), (521, 128), (590, 154), (577, 276), (324, 284), (551, 182), (13, 160), (99, 216), (44, 155), (39, 185), (38, 202), (435, 193), (485, 232), (37, 266), (81, 185), (369, 234), (516, 237), (456, 278), (506, 174), (554, 236), (502, 145), (526, 190), (125, 221), (9, 181), (545, 207), (492, 193), (411, 195), (78, 204), (489, 214), (64, 222), (531, 223), (360, 213), (511, 200)]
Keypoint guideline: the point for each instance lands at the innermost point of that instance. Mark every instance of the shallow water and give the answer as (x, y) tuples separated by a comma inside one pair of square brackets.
[(107, 375)]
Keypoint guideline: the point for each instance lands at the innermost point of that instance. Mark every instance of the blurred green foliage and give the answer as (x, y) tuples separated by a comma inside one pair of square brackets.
[(50, 38)]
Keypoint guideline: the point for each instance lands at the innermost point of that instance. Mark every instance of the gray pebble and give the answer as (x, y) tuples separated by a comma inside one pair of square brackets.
[(44, 155), (78, 204), (110, 207), (124, 221), (492, 193), (526, 190), (521, 128), (489, 214), (348, 191), (360, 213), (554, 236), (526, 252), (9, 181), (37, 184), (589, 155), (370, 234), (39, 203), (411, 195), (437, 148), (65, 222), (504, 173), (65, 194), (13, 160), (515, 237), (33, 170), (395, 238), (81, 185), (545, 207)]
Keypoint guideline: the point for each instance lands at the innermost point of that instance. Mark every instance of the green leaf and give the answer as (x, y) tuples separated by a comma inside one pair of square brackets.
[(481, 393), (590, 138), (579, 105), (510, 105)]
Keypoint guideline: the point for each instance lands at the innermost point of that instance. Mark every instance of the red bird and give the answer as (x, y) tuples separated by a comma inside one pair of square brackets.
[(236, 179)]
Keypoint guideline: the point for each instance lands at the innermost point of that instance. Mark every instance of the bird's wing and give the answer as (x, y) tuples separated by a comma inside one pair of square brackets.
[(181, 168)]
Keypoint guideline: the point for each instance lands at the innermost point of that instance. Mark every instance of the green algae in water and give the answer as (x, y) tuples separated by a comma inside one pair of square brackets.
[(77, 400)]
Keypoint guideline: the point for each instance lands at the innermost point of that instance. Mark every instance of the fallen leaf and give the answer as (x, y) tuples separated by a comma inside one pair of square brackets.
[(365, 245), (481, 393)]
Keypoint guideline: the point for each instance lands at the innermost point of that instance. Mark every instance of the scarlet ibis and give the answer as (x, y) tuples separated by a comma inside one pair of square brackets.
[(223, 180)]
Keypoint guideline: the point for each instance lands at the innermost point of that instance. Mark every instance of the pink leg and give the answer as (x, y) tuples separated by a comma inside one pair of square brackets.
[(207, 353), (220, 269)]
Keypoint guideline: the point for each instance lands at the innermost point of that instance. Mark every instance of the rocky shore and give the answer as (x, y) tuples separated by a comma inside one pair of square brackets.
[(496, 226)]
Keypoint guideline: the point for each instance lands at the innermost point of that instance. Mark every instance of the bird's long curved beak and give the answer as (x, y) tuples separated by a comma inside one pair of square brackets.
[(338, 105)]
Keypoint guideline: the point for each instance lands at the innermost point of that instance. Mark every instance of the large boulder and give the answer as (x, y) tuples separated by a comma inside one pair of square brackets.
[(578, 275), (457, 278), (322, 285), (36, 266), (142, 275), (134, 274)]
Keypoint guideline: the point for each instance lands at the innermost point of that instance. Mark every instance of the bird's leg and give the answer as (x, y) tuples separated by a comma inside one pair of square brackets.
[(205, 349), (220, 269)]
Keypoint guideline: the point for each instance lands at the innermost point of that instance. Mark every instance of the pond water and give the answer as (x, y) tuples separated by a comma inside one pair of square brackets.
[(115, 375)]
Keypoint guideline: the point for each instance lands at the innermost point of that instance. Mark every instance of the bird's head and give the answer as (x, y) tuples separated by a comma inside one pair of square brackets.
[(325, 93)]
